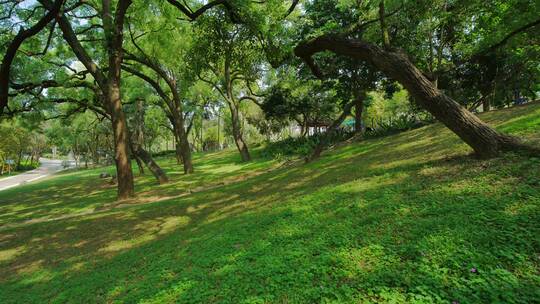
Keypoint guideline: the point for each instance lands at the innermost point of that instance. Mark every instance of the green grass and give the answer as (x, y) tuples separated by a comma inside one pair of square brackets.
[(398, 219)]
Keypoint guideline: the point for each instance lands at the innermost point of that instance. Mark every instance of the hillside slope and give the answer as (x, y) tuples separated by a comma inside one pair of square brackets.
[(405, 218)]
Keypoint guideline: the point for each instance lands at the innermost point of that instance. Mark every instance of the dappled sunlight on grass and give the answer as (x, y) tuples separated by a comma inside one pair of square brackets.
[(402, 218), (152, 229), (80, 192), (9, 254)]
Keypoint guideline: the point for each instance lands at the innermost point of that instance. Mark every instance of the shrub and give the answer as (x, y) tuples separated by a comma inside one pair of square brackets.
[(302, 146), (399, 124), (164, 153)]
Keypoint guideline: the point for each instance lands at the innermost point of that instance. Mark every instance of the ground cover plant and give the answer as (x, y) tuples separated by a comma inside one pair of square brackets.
[(389, 219), (240, 151)]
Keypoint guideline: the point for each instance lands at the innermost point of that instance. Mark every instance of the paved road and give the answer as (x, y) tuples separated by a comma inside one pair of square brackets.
[(47, 167)]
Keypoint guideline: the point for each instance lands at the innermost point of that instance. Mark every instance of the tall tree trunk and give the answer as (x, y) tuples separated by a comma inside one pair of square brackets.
[(19, 158), (109, 86), (237, 133), (182, 142), (113, 29), (483, 139), (124, 173)]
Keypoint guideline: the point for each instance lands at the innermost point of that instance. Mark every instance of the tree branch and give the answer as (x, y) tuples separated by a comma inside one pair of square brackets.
[(12, 48), (192, 15)]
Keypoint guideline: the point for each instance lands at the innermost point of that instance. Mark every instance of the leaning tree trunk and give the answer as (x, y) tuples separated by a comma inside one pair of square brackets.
[(156, 170), (139, 163), (483, 139), (237, 134)]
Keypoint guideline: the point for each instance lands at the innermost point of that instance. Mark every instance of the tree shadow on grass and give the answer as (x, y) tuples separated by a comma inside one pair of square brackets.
[(401, 218), (409, 233), (79, 192)]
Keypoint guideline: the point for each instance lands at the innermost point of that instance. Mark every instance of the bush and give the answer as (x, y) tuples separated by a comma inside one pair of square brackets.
[(302, 146), (401, 123), (164, 153)]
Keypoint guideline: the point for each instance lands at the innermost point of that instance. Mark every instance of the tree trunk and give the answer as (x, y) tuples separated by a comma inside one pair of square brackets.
[(172, 105), (483, 139), (113, 29), (218, 130), (124, 173), (176, 141), (305, 128), (237, 134), (182, 142), (19, 158), (486, 105), (156, 170), (330, 132), (358, 109), (139, 163), (178, 150)]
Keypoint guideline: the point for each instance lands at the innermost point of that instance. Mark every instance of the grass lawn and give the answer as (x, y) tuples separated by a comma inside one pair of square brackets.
[(400, 219)]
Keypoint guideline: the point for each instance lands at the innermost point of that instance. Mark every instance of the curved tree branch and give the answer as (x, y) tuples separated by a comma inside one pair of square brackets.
[(505, 39), (193, 15), (11, 51)]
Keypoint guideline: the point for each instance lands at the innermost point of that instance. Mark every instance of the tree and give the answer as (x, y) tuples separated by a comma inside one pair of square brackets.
[(108, 79), (167, 85), (485, 141), (226, 57), (15, 142), (137, 142), (299, 98)]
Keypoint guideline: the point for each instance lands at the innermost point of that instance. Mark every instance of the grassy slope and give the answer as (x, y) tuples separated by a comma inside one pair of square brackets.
[(403, 218)]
